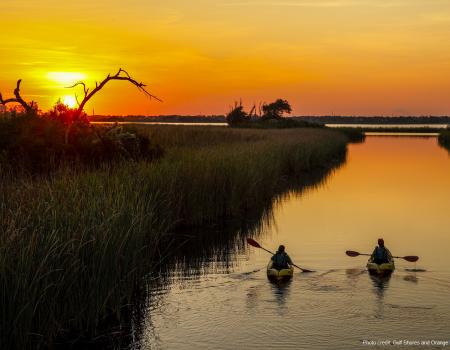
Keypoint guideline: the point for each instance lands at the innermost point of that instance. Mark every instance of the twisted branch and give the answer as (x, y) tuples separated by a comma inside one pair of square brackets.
[(29, 108), (120, 75)]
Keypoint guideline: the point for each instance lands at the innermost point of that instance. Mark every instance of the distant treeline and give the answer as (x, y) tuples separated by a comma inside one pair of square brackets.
[(377, 120), (314, 119), (161, 118)]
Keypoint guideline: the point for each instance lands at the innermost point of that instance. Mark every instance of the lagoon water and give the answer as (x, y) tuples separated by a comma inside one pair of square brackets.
[(397, 188)]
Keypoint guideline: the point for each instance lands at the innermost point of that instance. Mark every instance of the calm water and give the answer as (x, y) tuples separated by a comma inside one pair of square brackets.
[(392, 187)]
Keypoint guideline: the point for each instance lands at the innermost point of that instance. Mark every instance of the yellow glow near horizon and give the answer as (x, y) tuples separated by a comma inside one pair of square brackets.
[(69, 101), (66, 78)]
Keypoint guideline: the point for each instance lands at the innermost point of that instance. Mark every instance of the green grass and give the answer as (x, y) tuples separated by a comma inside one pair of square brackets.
[(76, 245), (444, 139)]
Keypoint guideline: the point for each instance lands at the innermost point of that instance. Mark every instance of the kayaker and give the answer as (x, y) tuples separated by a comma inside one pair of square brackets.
[(280, 259), (381, 254)]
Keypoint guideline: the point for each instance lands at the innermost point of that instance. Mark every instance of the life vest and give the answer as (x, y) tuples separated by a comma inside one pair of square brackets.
[(281, 260), (381, 254)]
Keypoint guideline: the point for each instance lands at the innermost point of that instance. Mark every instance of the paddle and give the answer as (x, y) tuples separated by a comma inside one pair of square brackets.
[(410, 258), (255, 244)]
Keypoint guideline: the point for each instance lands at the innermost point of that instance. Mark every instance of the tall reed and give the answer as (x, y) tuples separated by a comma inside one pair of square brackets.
[(444, 139)]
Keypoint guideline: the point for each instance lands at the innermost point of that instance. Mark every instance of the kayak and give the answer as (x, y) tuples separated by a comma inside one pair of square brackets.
[(380, 269), (279, 275)]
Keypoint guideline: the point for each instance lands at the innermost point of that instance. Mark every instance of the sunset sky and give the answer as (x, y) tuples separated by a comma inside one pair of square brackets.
[(364, 57)]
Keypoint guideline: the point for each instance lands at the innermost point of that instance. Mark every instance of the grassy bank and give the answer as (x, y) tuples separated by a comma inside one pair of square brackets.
[(74, 247), (355, 135), (444, 139)]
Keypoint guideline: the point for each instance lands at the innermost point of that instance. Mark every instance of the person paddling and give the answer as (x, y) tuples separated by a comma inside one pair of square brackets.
[(381, 254), (280, 259)]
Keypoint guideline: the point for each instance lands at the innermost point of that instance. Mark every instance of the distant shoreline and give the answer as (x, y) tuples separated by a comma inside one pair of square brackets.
[(347, 120)]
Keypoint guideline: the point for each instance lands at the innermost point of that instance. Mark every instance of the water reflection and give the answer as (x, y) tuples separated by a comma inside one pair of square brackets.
[(380, 285), (280, 291)]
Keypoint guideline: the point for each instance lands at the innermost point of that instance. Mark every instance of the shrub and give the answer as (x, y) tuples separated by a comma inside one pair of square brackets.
[(275, 110), (43, 143), (237, 116)]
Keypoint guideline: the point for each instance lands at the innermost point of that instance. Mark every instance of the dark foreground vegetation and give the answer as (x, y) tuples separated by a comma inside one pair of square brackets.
[(444, 139), (38, 144), (77, 242)]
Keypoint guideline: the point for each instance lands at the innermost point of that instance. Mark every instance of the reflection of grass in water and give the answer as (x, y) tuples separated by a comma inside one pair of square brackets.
[(354, 134), (74, 247)]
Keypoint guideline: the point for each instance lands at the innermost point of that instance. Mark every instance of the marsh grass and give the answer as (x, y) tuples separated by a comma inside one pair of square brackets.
[(355, 135), (75, 246), (444, 139)]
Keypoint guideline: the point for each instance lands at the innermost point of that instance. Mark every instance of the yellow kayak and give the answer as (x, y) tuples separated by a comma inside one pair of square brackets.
[(380, 269), (279, 275)]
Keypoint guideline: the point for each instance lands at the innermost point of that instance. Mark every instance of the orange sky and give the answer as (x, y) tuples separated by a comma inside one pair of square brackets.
[(346, 57)]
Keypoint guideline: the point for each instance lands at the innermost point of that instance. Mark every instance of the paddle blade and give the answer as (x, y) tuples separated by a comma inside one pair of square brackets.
[(304, 270), (411, 258), (253, 243), (352, 253)]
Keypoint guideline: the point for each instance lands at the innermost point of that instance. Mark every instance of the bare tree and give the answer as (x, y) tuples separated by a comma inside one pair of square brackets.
[(120, 75), (29, 108)]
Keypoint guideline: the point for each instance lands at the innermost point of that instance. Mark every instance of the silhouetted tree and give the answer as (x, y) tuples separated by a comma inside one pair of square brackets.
[(120, 75), (275, 110), (237, 115), (29, 108)]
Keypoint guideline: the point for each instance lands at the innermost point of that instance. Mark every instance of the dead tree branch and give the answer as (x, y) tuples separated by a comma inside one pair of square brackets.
[(29, 108), (120, 75)]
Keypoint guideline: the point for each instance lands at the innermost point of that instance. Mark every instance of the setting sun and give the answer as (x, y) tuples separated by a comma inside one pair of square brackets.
[(70, 101)]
